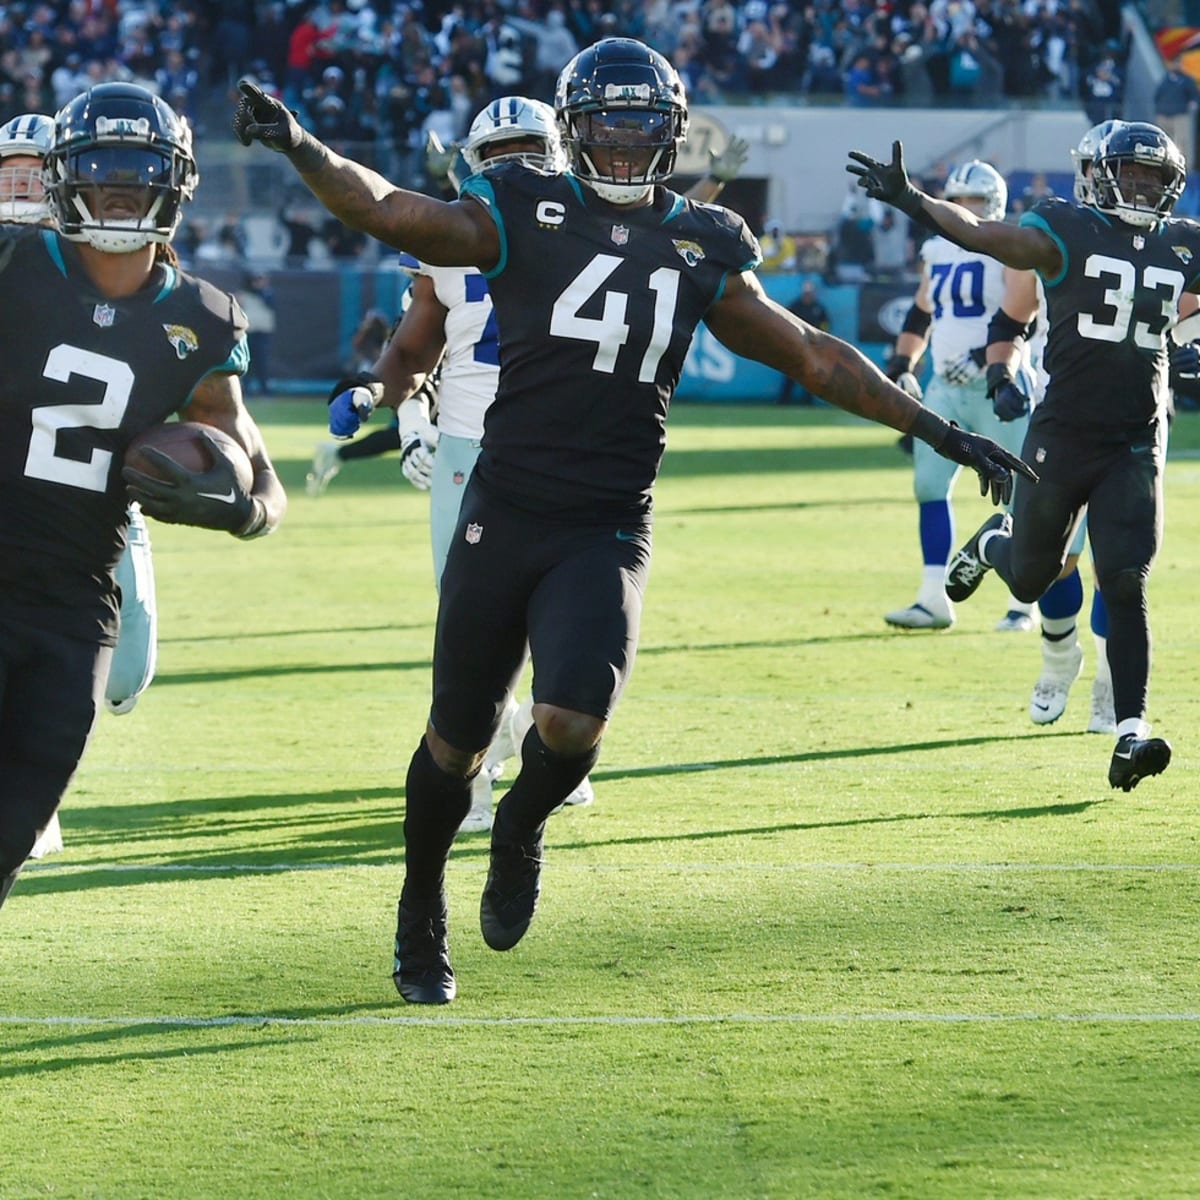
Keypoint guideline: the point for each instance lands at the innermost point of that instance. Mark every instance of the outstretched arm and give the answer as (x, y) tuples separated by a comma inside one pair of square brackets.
[(455, 233), (749, 323), (1019, 246)]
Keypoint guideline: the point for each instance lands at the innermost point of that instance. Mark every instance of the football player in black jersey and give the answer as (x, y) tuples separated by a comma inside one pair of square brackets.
[(1113, 270), (104, 338), (599, 277)]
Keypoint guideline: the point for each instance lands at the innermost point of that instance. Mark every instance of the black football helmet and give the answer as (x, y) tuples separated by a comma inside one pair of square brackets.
[(622, 112), (1137, 142), (114, 138)]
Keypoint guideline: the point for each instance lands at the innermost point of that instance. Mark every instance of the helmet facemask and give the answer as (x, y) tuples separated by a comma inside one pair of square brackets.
[(24, 141), (621, 153), (1137, 174), (120, 169), (515, 122)]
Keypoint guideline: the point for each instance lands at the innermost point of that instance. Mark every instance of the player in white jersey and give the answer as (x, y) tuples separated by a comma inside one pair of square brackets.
[(958, 293), (24, 142)]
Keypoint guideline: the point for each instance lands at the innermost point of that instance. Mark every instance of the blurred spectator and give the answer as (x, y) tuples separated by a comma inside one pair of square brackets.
[(231, 239), (178, 84), (258, 302), (368, 341), (343, 243), (1037, 190), (778, 248), (1176, 100), (808, 308), (853, 254), (299, 226), (890, 240), (861, 88), (1103, 91)]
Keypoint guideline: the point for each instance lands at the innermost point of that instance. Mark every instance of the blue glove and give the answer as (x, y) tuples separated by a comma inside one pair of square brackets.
[(351, 402), (1185, 362)]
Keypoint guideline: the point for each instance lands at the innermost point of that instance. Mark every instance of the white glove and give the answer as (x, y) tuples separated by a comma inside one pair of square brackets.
[(966, 369), (418, 443), (725, 166), (909, 383)]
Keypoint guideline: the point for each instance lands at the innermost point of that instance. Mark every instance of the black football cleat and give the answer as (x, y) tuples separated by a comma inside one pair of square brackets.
[(422, 972), (1135, 759), (510, 896), (966, 569)]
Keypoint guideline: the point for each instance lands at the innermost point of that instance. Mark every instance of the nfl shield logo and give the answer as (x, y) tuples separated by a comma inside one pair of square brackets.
[(474, 533), (620, 234), (1139, 242), (104, 315)]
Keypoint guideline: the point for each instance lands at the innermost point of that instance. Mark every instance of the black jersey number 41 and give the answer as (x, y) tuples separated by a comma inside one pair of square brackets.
[(610, 331)]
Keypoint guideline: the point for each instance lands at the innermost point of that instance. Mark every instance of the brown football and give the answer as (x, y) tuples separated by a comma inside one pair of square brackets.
[(184, 442)]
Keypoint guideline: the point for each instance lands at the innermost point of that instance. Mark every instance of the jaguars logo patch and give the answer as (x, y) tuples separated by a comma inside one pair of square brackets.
[(691, 252), (182, 339), (1185, 255)]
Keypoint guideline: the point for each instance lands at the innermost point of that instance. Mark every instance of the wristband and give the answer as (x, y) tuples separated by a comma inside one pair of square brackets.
[(256, 524), (931, 428)]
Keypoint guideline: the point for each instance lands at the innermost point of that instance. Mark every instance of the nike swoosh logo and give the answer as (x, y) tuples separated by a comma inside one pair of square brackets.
[(1041, 707), (228, 498)]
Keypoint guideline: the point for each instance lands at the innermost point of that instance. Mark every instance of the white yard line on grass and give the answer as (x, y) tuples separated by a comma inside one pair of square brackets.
[(867, 1018)]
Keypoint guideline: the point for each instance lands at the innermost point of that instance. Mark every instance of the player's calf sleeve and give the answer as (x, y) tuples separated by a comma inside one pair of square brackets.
[(1063, 598), (435, 804), (545, 780)]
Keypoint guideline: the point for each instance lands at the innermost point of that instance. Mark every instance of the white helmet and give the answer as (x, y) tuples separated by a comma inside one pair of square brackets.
[(1082, 157), (977, 178), (512, 119), (22, 198)]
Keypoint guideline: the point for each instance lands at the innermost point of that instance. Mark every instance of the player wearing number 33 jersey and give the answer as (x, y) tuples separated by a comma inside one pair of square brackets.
[(1108, 307), (1113, 267)]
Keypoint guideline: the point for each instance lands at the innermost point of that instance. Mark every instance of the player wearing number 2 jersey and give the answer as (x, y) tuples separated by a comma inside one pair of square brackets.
[(1113, 272), (958, 293), (599, 277), (104, 338)]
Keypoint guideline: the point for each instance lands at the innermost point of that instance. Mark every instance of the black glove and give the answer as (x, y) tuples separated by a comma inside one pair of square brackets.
[(1008, 401), (991, 462), (262, 118), (888, 182), (212, 499), (897, 365)]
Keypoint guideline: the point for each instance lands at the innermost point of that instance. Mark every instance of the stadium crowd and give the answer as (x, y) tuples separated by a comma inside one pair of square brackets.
[(381, 73)]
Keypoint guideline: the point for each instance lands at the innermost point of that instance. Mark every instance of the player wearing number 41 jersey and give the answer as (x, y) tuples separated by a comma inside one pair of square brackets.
[(599, 277), (1113, 269)]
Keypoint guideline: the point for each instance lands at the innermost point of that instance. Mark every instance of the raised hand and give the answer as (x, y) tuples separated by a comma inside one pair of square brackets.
[(727, 165), (888, 182), (1008, 401), (262, 118)]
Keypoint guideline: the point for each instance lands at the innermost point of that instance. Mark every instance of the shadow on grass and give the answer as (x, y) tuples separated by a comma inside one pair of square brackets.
[(350, 828), (11, 1053)]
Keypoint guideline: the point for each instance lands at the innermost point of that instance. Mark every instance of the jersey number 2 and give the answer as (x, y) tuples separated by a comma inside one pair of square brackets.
[(43, 460)]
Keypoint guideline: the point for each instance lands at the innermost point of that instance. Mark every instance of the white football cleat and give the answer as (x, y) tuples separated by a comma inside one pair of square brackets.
[(1049, 699), (922, 616), (479, 819), (1014, 621), (325, 465), (50, 842), (1104, 717)]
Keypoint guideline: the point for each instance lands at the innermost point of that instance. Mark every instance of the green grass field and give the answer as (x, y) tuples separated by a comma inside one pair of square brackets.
[(841, 923)]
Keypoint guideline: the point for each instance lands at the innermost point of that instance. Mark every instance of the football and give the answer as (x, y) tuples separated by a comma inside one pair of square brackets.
[(184, 441)]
